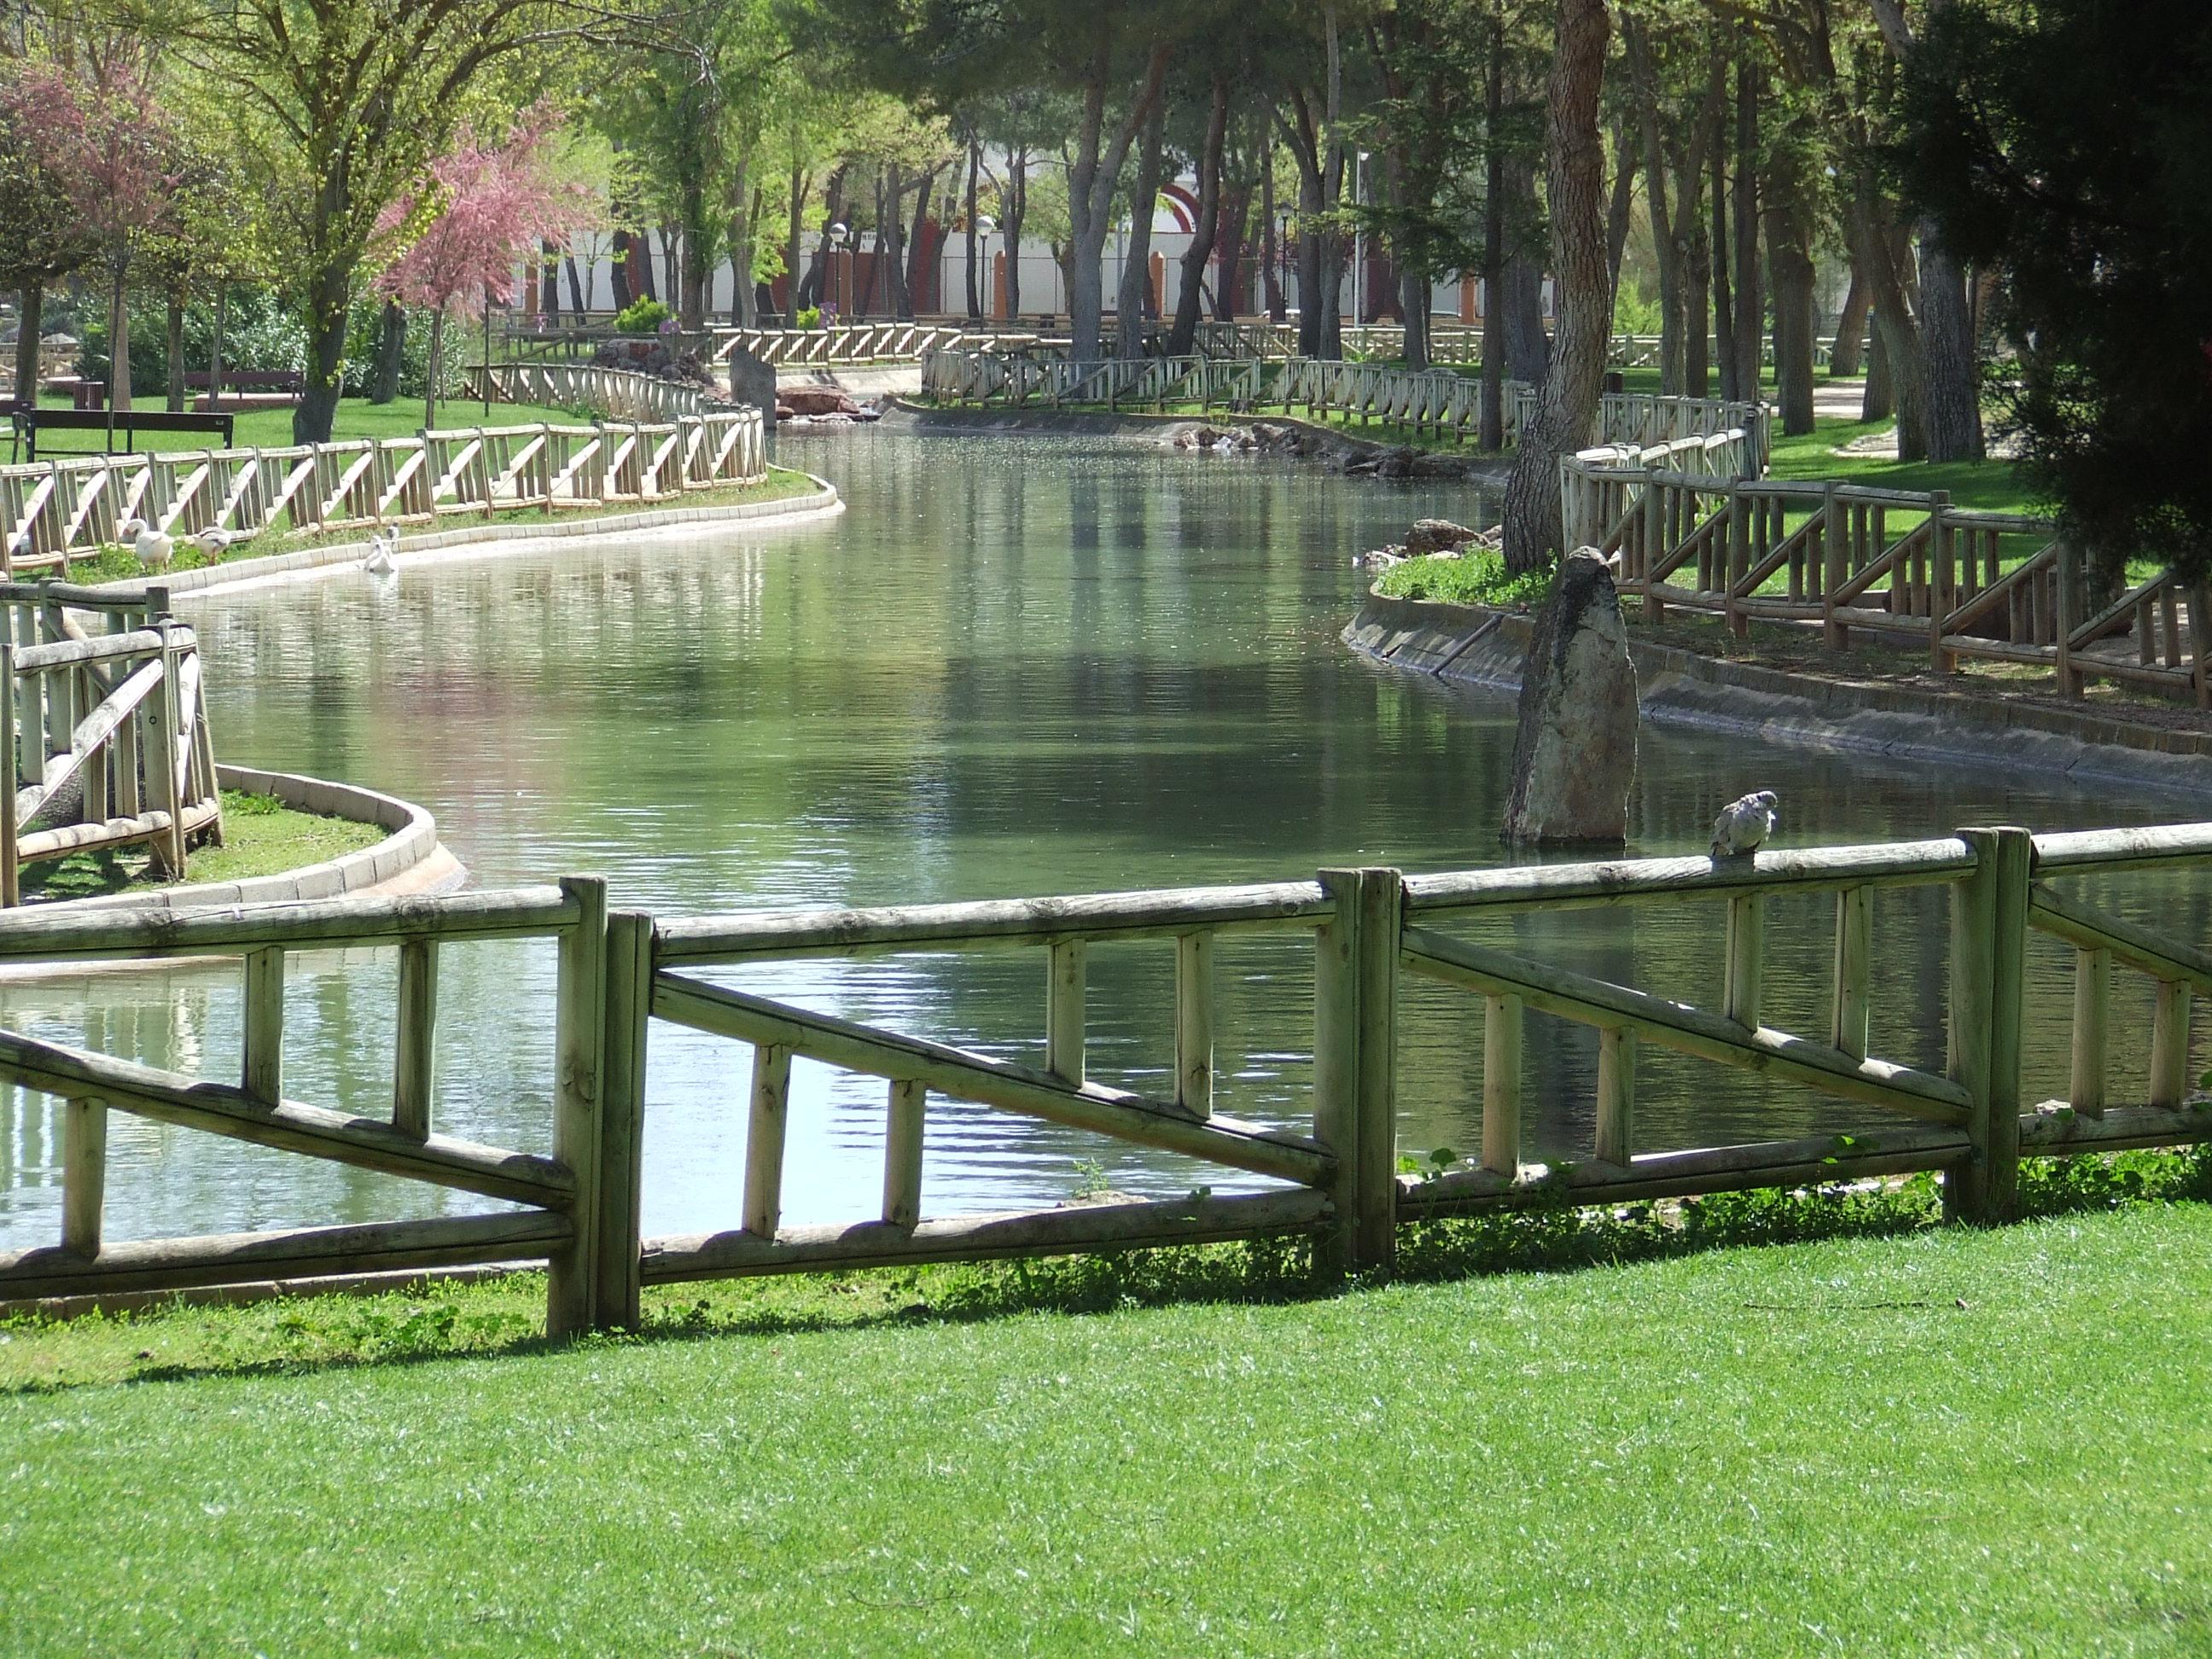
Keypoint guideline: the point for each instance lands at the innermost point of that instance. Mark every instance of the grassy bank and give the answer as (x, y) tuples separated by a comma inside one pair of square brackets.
[(1937, 1439), (261, 837)]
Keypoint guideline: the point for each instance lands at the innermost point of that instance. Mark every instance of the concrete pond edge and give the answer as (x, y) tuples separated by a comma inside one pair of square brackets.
[(1475, 645), (824, 502), (409, 859)]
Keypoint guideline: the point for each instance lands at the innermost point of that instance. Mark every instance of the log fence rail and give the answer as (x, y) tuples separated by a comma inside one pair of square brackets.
[(1334, 1175), (65, 511)]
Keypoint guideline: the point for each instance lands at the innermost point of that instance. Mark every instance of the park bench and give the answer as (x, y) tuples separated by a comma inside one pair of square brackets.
[(128, 423), (256, 388)]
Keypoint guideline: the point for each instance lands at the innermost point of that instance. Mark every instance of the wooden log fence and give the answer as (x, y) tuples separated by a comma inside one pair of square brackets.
[(1332, 1176), (1690, 528), (669, 441)]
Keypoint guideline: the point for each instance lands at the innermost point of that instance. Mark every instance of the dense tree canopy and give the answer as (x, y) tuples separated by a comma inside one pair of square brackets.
[(2067, 145)]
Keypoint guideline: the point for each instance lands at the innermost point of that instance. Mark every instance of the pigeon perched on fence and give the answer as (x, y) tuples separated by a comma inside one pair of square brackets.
[(1744, 824)]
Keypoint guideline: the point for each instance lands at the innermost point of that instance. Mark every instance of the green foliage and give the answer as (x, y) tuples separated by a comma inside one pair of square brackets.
[(1477, 576), (810, 317), (2067, 145), (641, 316)]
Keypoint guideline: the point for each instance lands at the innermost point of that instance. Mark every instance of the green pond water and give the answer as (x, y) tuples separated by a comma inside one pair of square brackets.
[(1017, 665)]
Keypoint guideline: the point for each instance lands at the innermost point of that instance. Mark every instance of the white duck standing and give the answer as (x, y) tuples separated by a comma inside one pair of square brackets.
[(215, 541), (381, 546), (1744, 824), (153, 548)]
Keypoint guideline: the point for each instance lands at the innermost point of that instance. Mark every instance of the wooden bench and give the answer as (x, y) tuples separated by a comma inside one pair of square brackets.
[(248, 388), (127, 422)]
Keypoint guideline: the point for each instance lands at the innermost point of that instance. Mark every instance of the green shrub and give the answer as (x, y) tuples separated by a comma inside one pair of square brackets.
[(1478, 576), (641, 317), (810, 317)]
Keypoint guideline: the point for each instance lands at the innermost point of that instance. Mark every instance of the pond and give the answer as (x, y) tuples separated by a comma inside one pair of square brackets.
[(1017, 665)]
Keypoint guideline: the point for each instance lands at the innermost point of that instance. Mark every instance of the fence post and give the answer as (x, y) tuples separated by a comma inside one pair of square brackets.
[(1355, 1064), (578, 1029), (1989, 945), (621, 1118)]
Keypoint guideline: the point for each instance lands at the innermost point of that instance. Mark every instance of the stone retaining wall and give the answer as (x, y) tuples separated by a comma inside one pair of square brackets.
[(1470, 645)]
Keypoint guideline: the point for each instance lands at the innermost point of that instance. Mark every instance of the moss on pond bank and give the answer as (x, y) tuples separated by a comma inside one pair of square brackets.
[(261, 837)]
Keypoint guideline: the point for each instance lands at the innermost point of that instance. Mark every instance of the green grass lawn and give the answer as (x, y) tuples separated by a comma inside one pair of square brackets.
[(1952, 1441), (356, 418), (261, 837)]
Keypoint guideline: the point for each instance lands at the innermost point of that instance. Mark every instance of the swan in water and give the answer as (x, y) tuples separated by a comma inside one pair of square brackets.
[(381, 546)]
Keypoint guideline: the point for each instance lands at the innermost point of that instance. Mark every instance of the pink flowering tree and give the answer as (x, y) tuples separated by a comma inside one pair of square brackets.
[(485, 209), (130, 170), (41, 150)]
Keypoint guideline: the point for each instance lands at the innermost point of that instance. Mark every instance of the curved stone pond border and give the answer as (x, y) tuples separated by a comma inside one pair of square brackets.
[(1473, 645), (824, 502), (409, 859)]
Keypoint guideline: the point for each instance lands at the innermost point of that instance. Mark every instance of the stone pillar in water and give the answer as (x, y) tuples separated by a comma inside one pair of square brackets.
[(1574, 756)]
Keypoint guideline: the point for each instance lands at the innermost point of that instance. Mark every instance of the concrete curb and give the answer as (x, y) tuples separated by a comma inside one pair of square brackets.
[(409, 859), (825, 503), (1472, 645)]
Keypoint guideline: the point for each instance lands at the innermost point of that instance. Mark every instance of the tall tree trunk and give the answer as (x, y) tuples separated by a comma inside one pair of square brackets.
[(974, 290), (549, 282), (1620, 210), (1271, 264), (1729, 360), (1950, 379), (29, 326), (1234, 235), (1568, 409), (1870, 221), (1875, 402), (794, 232), (1091, 179), (1750, 297), (391, 353), (174, 343), (328, 289), (1697, 298), (215, 343), (619, 267), (911, 272), (1491, 433), (1666, 244), (1191, 297), (1847, 362), (119, 342), (672, 261), (1133, 292), (1016, 205), (430, 373), (1788, 225), (1413, 304)]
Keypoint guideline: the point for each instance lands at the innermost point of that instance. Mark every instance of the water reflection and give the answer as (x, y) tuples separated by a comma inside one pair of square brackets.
[(1013, 667)]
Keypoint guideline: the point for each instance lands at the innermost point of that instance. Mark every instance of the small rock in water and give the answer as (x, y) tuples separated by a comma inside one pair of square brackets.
[(1436, 535)]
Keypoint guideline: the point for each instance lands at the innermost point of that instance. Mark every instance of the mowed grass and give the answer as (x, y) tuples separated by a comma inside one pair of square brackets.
[(1951, 1442), (261, 837), (271, 428)]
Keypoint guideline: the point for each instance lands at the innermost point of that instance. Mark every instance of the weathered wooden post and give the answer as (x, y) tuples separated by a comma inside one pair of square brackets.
[(622, 1119), (1989, 946), (1355, 1064), (579, 1033)]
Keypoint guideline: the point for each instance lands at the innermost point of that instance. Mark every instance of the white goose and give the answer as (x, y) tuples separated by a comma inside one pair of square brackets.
[(381, 547), (215, 541), (153, 548)]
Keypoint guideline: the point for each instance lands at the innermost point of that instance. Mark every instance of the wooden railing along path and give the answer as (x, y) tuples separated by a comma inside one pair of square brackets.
[(1333, 1171), (119, 710), (1433, 400), (1691, 531), (69, 508)]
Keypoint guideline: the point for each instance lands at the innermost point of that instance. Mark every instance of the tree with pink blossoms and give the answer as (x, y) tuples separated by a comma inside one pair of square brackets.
[(41, 147), (132, 164), (482, 212)]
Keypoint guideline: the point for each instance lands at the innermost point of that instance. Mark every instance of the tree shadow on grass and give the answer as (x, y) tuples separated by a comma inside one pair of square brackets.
[(438, 1321)]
